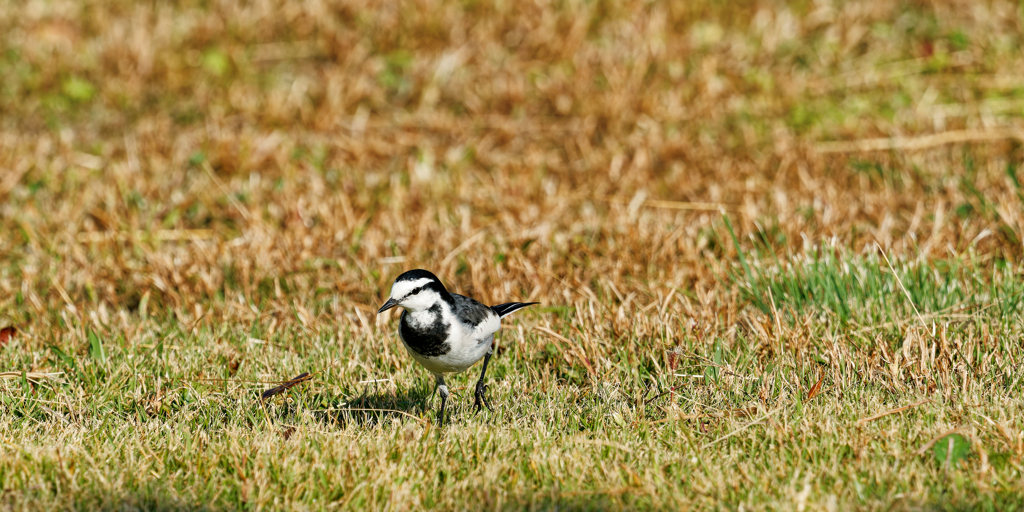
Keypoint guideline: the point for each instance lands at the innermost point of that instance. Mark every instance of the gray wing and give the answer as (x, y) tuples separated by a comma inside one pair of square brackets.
[(471, 311)]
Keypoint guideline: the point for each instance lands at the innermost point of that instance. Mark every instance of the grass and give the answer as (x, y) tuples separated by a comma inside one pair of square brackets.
[(200, 201)]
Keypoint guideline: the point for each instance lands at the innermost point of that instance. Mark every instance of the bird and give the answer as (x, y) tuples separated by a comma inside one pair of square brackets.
[(446, 332)]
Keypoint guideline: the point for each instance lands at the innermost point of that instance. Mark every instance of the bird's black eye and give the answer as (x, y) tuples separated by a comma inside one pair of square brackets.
[(414, 292)]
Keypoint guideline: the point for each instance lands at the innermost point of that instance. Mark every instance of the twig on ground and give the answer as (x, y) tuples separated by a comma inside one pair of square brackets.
[(934, 440), (302, 377), (897, 410)]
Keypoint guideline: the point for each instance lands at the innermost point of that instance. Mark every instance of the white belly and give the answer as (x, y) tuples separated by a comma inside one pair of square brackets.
[(461, 356)]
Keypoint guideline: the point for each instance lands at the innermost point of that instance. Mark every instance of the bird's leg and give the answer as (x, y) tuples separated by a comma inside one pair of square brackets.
[(428, 400), (481, 400), (443, 390)]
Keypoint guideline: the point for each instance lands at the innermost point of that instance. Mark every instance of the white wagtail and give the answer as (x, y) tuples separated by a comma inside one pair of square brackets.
[(446, 332)]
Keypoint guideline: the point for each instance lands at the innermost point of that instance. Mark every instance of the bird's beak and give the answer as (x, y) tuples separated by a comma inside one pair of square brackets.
[(387, 305)]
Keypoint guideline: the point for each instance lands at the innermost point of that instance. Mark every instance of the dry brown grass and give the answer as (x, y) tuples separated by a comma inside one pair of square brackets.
[(203, 174)]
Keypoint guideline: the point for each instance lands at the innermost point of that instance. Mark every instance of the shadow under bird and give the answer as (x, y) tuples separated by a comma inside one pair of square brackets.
[(446, 332)]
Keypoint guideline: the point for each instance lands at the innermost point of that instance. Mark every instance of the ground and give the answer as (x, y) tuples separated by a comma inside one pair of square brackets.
[(778, 251)]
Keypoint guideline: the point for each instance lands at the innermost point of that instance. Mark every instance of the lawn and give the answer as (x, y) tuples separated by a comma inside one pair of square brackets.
[(777, 246)]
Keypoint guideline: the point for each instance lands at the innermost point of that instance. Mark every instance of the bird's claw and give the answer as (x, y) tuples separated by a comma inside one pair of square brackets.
[(481, 400)]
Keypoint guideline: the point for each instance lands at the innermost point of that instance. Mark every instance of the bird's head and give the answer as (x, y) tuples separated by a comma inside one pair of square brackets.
[(416, 290)]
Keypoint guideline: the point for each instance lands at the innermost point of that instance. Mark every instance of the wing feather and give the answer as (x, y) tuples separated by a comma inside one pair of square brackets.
[(508, 308)]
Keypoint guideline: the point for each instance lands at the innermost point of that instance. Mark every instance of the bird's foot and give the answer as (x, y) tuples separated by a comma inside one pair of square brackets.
[(481, 400)]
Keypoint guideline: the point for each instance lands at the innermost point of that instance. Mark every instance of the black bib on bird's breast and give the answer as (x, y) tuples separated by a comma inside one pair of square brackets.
[(428, 340)]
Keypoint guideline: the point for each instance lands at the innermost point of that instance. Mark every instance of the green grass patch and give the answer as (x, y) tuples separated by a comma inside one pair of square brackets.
[(865, 290)]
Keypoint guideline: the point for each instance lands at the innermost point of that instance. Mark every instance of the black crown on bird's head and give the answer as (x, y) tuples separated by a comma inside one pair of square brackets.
[(419, 273)]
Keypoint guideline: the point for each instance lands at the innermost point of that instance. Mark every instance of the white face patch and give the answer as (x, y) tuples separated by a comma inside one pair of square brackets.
[(423, 300), (402, 288)]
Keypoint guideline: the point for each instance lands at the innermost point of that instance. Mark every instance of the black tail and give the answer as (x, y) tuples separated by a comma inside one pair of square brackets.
[(508, 308)]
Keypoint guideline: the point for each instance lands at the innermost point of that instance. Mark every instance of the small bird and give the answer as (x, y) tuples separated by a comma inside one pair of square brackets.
[(446, 332)]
